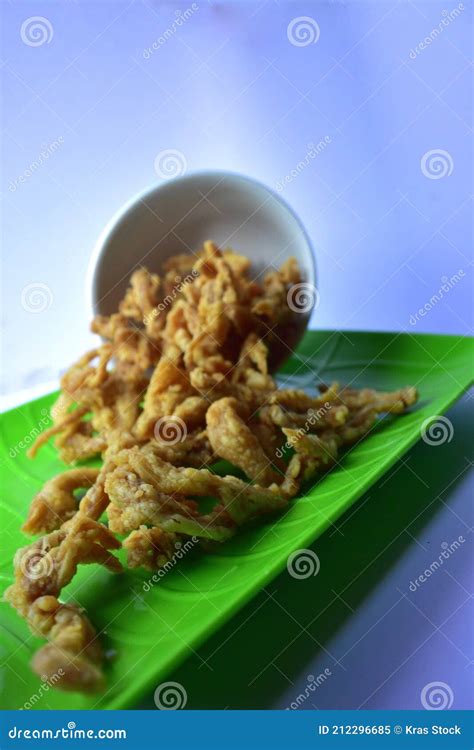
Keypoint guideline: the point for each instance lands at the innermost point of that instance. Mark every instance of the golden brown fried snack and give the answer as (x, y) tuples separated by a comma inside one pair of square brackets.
[(168, 387), (71, 421), (232, 439), (181, 379), (142, 502), (73, 651), (141, 471), (42, 569), (150, 547), (56, 502), (315, 453)]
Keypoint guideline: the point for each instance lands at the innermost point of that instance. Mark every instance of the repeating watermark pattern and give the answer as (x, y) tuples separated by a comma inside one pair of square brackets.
[(448, 16), (437, 696), (139, 602), (313, 683), (314, 149), (448, 282), (170, 430), (36, 297), (436, 164), (171, 296), (170, 696), (313, 417), (36, 564), (181, 16), (31, 436), (302, 297), (36, 31), (303, 31), (170, 163), (182, 550), (303, 563), (47, 151), (46, 684), (437, 430), (447, 551)]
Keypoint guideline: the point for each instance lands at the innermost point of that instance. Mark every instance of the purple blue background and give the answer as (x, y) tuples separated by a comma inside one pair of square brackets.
[(229, 90)]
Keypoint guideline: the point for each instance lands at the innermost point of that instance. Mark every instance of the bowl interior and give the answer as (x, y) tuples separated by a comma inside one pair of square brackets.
[(178, 216)]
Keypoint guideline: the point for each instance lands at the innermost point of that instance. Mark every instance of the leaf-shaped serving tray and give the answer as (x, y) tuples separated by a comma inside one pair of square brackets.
[(150, 629)]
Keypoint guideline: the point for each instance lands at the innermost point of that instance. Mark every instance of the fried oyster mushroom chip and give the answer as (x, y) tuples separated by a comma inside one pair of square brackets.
[(42, 570), (180, 382)]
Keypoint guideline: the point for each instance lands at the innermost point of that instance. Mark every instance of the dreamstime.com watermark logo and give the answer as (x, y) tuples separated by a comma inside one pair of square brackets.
[(182, 550), (181, 17), (312, 684), (448, 16), (47, 151), (170, 430), (436, 164), (448, 283), (31, 436), (303, 297), (447, 550), (437, 696), (314, 150), (171, 296), (303, 31), (71, 732), (437, 430), (170, 163), (313, 417), (35, 563), (36, 297), (46, 684), (36, 31), (303, 563), (170, 696)]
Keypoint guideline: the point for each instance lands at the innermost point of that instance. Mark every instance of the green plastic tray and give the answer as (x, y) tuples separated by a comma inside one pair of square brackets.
[(152, 631)]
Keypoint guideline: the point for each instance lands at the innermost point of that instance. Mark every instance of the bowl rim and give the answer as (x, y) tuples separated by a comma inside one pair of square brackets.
[(126, 208)]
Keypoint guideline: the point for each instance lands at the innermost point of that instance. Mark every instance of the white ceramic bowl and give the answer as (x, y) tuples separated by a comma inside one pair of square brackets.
[(178, 215)]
